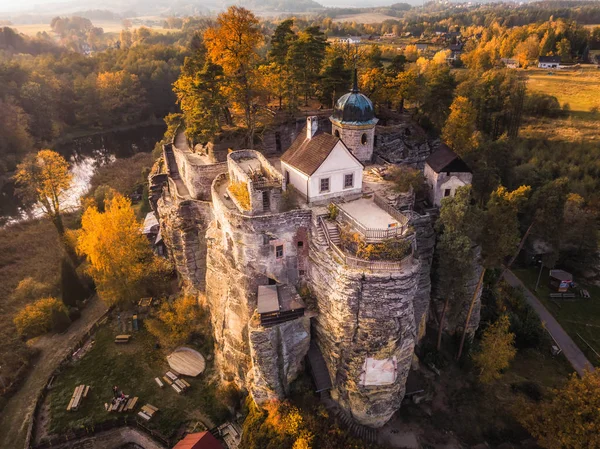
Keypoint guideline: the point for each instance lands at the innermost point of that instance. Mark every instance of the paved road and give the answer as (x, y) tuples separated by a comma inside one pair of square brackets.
[(53, 349), (568, 346)]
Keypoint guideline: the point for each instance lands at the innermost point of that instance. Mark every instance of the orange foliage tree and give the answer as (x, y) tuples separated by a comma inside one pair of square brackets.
[(233, 44), (570, 419), (175, 321), (120, 260), (40, 317)]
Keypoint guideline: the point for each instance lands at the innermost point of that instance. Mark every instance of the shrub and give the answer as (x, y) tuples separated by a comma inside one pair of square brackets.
[(239, 190), (406, 178), (333, 211), (42, 316), (176, 321), (496, 351), (28, 290), (541, 105)]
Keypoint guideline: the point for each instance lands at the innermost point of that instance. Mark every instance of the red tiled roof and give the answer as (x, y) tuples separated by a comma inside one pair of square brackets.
[(307, 155), (201, 440)]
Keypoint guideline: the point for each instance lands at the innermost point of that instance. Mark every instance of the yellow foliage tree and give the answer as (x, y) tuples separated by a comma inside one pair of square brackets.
[(497, 350), (175, 321), (570, 419), (233, 44), (41, 317), (120, 260), (45, 178), (441, 57), (460, 132)]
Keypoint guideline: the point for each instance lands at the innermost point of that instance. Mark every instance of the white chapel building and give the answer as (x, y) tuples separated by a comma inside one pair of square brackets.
[(322, 166)]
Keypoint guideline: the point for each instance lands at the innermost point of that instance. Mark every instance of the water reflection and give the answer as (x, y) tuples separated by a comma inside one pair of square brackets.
[(85, 155)]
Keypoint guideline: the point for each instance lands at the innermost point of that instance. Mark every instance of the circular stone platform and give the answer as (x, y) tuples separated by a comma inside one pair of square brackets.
[(186, 361)]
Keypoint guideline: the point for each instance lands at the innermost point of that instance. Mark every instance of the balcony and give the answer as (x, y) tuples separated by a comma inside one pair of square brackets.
[(373, 218)]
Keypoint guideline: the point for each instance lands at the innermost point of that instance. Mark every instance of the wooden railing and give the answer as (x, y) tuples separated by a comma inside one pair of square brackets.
[(266, 182), (370, 265)]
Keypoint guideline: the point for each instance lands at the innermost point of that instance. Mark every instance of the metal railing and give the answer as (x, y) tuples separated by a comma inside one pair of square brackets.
[(375, 234), (370, 265)]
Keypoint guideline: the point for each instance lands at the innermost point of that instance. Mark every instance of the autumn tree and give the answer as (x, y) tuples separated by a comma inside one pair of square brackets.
[(42, 316), (569, 419), (233, 44), (175, 321), (119, 257), (120, 95), (497, 350), (460, 131), (44, 178)]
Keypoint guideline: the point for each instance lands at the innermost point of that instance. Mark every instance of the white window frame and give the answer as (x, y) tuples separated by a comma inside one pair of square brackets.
[(321, 190)]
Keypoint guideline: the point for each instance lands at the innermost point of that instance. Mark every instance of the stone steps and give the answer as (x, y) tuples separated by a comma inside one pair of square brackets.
[(365, 433), (334, 232)]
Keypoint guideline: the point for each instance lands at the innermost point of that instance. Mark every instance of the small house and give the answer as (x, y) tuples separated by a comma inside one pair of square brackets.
[(549, 62), (560, 280), (319, 166), (511, 63), (277, 304), (445, 172)]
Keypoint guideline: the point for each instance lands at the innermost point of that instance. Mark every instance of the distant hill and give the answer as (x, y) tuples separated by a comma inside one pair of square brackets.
[(149, 7)]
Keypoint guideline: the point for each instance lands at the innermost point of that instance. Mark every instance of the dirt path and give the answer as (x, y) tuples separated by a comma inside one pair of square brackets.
[(572, 352), (112, 439), (53, 349)]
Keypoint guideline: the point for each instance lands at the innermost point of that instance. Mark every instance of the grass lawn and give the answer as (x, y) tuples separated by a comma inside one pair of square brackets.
[(575, 316), (577, 88), (132, 367)]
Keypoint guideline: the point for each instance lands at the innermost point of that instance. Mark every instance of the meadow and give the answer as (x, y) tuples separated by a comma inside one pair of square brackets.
[(108, 26), (366, 18), (577, 88)]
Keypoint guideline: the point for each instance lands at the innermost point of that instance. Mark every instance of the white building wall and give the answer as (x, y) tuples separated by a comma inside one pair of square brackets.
[(297, 179), (339, 163)]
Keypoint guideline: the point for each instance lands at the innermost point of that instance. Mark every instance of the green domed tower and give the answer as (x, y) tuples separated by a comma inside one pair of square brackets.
[(353, 121)]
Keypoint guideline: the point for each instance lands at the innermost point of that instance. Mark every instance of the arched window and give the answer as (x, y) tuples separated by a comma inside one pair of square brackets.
[(363, 139), (337, 133)]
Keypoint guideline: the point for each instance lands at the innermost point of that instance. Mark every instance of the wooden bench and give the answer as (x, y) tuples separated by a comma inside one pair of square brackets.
[(555, 295), (177, 388), (159, 382), (568, 295), (167, 380), (147, 412), (584, 293), (171, 376), (122, 339), (81, 391)]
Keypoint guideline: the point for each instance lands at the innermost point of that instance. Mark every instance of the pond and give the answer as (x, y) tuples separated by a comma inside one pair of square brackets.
[(85, 155)]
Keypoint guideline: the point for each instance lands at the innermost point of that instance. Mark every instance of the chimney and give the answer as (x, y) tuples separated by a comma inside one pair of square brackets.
[(312, 124)]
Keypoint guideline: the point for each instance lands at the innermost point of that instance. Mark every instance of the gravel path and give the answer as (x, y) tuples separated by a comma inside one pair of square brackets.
[(572, 352), (16, 416)]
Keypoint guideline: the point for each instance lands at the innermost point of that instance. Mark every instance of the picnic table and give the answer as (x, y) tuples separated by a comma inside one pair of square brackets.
[(147, 412), (81, 391), (122, 338), (178, 384), (122, 404)]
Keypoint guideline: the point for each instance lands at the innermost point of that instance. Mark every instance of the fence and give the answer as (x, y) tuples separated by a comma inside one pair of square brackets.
[(374, 234), (370, 265)]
